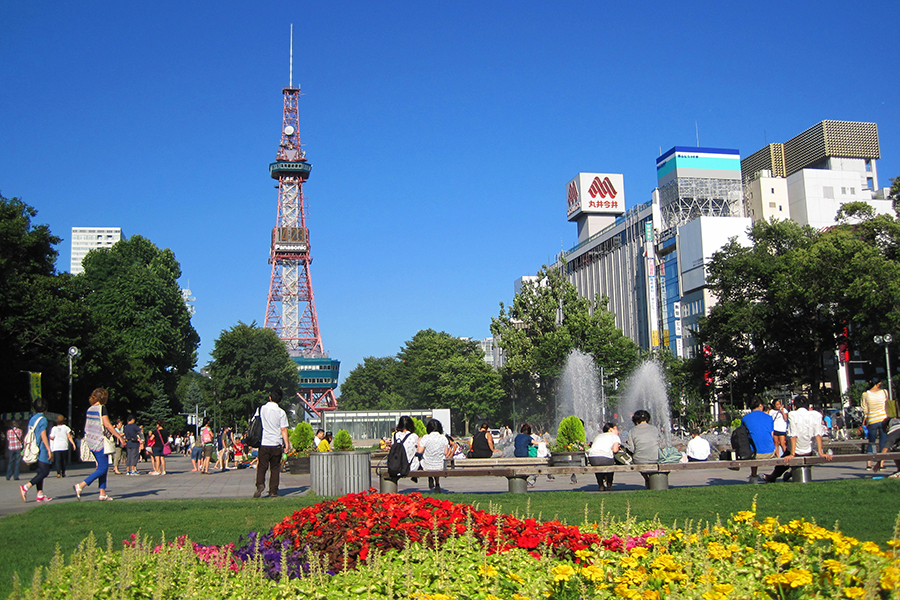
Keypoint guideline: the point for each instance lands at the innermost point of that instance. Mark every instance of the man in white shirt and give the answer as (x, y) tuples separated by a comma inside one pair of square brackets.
[(275, 443), (698, 449), (804, 426), (320, 435)]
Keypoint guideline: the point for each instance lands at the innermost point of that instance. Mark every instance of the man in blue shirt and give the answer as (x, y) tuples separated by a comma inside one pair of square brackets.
[(761, 425)]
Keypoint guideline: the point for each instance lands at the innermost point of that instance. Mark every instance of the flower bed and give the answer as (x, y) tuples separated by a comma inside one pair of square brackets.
[(393, 546)]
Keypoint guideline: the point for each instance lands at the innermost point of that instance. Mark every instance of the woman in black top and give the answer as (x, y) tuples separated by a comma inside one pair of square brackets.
[(482, 443), (161, 438)]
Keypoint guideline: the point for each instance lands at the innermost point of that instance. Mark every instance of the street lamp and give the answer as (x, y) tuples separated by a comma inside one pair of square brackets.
[(885, 340), (73, 352)]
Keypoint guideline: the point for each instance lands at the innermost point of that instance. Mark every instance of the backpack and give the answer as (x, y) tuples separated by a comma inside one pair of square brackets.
[(30, 449), (741, 444), (669, 455), (397, 461), (255, 431)]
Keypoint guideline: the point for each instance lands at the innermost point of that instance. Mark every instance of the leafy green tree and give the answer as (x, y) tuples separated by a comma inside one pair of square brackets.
[(40, 314), (471, 387), (342, 441), (373, 385), (248, 361), (158, 410), (133, 295), (794, 294), (546, 321), (570, 434)]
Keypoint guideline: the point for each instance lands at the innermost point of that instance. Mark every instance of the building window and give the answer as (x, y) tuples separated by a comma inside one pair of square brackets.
[(853, 191), (828, 192), (870, 183)]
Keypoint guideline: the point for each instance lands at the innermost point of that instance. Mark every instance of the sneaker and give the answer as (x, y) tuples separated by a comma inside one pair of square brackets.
[(24, 491), (44, 498), (259, 491), (895, 475), (762, 479), (153, 473)]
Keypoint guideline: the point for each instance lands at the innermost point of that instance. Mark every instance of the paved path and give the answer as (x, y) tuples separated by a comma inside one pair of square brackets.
[(180, 483)]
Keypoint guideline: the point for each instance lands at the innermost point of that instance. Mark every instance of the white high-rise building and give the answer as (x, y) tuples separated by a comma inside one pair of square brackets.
[(85, 239)]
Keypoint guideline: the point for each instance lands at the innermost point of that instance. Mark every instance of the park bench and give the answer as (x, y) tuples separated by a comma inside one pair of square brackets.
[(518, 470)]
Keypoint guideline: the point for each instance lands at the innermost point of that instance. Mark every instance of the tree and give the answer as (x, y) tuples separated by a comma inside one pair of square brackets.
[(546, 321), (133, 295), (373, 385), (248, 361), (159, 410), (40, 316), (795, 294)]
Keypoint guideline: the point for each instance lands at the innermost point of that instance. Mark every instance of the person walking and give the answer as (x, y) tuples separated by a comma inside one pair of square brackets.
[(14, 439), (874, 406), (60, 440), (207, 438), (275, 443), (96, 427), (39, 422)]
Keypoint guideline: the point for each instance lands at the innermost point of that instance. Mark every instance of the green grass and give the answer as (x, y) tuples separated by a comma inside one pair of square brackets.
[(864, 509)]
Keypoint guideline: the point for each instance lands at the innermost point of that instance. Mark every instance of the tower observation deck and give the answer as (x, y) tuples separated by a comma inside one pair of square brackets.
[(291, 307)]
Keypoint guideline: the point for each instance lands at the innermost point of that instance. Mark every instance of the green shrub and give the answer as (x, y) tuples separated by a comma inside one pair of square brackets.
[(420, 427), (570, 435), (342, 441), (302, 436)]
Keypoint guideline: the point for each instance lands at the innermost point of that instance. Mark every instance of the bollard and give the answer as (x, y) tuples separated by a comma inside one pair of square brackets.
[(659, 481), (801, 474), (518, 484)]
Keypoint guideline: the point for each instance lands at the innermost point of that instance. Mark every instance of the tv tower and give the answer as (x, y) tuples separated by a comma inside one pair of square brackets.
[(291, 308)]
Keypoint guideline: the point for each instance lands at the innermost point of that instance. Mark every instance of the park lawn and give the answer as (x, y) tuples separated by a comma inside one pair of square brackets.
[(864, 509)]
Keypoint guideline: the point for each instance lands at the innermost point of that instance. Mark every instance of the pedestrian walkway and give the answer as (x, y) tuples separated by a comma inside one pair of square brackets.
[(180, 483)]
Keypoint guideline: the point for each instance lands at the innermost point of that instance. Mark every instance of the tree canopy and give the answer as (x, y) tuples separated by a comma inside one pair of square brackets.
[(248, 361), (785, 303), (547, 320), (432, 370)]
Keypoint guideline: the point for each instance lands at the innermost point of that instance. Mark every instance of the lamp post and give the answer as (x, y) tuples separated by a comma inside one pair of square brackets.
[(73, 352), (885, 340)]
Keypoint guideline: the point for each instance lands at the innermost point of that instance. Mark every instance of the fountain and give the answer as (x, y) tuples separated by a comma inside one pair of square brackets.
[(646, 389), (580, 394)]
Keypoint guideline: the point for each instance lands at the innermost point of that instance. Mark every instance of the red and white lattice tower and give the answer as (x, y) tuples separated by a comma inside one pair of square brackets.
[(291, 308)]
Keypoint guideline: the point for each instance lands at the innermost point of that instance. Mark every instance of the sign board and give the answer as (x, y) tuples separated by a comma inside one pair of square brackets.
[(595, 193)]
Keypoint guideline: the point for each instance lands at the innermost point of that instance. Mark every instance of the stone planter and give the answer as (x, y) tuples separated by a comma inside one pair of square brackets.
[(298, 465), (339, 473), (567, 459)]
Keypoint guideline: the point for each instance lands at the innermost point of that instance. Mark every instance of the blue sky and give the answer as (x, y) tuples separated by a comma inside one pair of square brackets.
[(441, 134)]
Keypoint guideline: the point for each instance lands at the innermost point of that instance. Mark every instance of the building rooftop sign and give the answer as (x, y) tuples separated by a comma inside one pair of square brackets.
[(595, 193)]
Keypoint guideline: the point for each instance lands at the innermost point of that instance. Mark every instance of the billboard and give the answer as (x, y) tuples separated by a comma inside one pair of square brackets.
[(595, 193)]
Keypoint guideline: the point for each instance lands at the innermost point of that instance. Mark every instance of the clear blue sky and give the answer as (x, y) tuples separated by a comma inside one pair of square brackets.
[(441, 134)]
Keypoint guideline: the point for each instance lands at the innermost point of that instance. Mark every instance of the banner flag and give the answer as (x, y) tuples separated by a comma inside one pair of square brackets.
[(35, 385)]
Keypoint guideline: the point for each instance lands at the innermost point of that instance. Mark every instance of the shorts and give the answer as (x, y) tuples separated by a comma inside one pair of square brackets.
[(132, 455), (765, 455), (196, 452), (779, 434), (157, 450), (208, 451)]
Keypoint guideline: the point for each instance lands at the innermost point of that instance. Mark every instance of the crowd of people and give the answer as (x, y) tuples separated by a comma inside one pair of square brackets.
[(121, 447)]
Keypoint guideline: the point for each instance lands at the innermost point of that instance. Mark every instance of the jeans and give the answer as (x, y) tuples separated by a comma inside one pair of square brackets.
[(269, 459), (12, 465), (59, 461), (43, 469), (876, 432), (101, 470)]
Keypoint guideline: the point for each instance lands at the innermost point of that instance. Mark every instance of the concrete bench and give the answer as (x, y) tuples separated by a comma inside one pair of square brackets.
[(518, 470)]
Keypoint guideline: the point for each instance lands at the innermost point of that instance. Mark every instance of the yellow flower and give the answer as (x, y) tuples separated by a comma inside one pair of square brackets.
[(871, 548), (714, 596), (583, 554), (650, 595), (652, 540), (835, 566), (516, 577), (639, 552), (487, 571), (519, 597), (492, 597), (623, 591), (593, 573), (723, 588), (562, 572), (743, 516), (718, 551), (854, 592), (793, 578), (629, 562), (890, 577), (632, 576)]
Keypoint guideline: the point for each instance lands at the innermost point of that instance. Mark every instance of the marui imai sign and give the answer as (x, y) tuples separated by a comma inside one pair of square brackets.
[(595, 193)]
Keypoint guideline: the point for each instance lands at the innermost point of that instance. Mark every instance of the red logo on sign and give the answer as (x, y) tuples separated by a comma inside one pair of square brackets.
[(603, 188), (572, 195)]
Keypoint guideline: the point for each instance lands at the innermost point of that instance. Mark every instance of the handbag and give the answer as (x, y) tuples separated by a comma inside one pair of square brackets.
[(85, 454), (623, 456), (167, 450)]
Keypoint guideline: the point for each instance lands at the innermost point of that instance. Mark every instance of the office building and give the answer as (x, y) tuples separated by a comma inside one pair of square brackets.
[(85, 239), (820, 169)]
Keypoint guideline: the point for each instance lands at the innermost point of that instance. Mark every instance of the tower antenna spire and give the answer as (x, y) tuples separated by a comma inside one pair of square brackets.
[(291, 78)]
